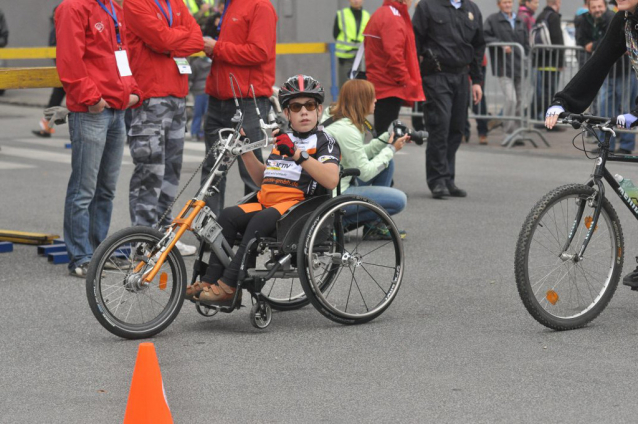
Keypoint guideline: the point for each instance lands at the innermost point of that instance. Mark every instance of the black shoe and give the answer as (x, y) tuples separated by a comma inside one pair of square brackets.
[(631, 279), (439, 190), (623, 152), (42, 133), (455, 191), (595, 151)]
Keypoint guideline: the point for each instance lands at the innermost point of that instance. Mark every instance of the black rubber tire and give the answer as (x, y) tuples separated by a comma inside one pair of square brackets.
[(311, 227), (521, 264), (95, 297)]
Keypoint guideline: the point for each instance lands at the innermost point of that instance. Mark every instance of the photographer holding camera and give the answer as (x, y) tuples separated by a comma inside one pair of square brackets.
[(346, 122)]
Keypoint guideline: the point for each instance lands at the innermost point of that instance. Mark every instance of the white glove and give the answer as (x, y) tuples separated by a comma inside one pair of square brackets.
[(626, 120), (554, 110)]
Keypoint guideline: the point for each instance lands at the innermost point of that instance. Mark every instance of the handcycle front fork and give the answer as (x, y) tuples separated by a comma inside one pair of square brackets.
[(183, 222)]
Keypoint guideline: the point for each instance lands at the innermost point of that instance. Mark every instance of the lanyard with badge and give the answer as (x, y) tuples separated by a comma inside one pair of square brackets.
[(120, 55), (182, 64)]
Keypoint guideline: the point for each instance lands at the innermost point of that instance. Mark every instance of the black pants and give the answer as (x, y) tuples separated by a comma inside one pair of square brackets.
[(386, 111), (57, 95), (234, 220), (445, 115), (218, 116)]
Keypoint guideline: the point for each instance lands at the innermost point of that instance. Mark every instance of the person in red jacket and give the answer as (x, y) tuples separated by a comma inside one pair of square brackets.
[(92, 61), (161, 34), (392, 65), (245, 48)]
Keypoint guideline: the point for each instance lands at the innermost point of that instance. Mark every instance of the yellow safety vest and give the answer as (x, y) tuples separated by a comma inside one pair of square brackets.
[(194, 8), (349, 40)]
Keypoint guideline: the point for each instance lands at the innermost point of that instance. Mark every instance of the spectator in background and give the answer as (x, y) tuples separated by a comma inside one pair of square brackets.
[(447, 54), (245, 48), (99, 87), (584, 9), (346, 122), (201, 10), (480, 108), (57, 95), (526, 11), (348, 34), (548, 62), (392, 65), (201, 68), (506, 27), (620, 88), (161, 34), (4, 37)]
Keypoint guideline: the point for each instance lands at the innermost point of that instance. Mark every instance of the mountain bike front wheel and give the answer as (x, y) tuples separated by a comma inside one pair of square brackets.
[(560, 290)]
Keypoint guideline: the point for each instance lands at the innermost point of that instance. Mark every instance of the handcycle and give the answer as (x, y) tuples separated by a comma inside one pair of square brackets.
[(136, 281), (570, 251)]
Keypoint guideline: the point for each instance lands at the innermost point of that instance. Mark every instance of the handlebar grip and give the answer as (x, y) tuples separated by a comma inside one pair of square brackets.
[(349, 172)]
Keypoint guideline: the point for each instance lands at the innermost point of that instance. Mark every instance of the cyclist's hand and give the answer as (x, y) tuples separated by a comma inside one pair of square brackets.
[(626, 121), (285, 145), (551, 117)]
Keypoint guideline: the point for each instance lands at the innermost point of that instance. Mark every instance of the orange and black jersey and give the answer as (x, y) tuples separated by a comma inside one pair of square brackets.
[(285, 181)]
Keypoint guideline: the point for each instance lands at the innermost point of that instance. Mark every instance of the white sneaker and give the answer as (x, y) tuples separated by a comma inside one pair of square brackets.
[(185, 249)]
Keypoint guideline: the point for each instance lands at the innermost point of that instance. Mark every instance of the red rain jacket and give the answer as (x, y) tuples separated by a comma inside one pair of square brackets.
[(390, 50), (86, 56), (245, 48), (154, 44)]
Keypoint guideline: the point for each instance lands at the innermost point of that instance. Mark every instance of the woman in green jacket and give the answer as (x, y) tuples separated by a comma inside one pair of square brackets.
[(346, 122)]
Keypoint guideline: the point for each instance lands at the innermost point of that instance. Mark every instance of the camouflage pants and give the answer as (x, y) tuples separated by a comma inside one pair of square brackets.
[(156, 141)]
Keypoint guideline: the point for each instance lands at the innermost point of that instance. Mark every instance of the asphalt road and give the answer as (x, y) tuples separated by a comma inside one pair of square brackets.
[(456, 346)]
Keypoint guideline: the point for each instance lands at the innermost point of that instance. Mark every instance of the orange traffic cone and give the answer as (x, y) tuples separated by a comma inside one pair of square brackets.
[(147, 399)]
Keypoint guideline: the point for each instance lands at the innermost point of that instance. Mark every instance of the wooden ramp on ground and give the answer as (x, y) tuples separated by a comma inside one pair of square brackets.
[(23, 237)]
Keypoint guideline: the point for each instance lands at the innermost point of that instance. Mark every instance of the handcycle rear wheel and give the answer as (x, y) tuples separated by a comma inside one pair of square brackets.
[(120, 302), (559, 290), (365, 271)]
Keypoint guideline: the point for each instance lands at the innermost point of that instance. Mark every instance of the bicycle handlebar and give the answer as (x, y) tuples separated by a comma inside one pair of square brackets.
[(581, 118)]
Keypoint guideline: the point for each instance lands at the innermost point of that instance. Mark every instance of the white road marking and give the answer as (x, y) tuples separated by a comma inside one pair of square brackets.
[(9, 165)]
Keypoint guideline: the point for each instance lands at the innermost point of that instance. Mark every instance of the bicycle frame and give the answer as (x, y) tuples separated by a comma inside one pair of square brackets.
[(600, 173)]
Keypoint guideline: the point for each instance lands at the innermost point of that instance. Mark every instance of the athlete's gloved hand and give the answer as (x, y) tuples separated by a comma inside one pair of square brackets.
[(285, 145), (626, 121), (554, 110), (551, 117)]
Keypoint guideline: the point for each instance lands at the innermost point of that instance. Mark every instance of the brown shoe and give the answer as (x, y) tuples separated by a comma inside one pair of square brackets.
[(483, 139), (194, 290), (217, 295)]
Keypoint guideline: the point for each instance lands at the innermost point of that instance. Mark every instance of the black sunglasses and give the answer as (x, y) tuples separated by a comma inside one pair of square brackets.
[(309, 105)]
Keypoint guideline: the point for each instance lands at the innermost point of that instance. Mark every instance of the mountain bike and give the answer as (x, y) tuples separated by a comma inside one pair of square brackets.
[(570, 251)]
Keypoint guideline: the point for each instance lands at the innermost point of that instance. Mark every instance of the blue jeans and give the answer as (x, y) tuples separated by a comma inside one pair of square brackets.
[(97, 142), (612, 93), (377, 189), (201, 105)]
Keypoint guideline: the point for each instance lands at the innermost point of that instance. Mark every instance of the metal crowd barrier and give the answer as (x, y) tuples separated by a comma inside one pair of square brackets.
[(540, 79)]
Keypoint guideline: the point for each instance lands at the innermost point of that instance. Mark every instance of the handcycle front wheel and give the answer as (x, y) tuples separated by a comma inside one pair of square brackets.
[(558, 289), (364, 263), (118, 298)]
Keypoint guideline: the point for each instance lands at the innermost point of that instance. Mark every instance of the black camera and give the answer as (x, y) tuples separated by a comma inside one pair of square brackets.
[(399, 130)]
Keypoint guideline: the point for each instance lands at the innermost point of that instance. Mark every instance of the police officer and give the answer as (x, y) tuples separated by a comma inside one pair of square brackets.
[(348, 33), (449, 39)]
